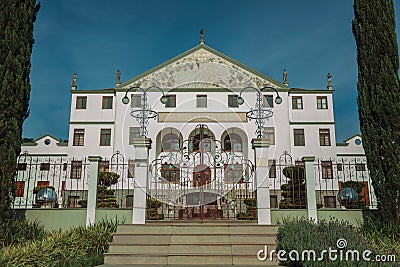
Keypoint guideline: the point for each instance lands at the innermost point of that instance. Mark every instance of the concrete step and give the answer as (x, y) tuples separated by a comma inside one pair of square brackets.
[(197, 229), (123, 258), (181, 259), (193, 238), (188, 244), (235, 249), (185, 259), (138, 248)]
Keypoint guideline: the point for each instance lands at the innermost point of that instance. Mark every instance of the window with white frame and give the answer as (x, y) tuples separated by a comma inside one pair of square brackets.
[(201, 101), (297, 102), (171, 101), (327, 172), (136, 100), (170, 142), (233, 142), (105, 137), (269, 134), (81, 102), (76, 170), (324, 137), (299, 139), (322, 102), (79, 136)]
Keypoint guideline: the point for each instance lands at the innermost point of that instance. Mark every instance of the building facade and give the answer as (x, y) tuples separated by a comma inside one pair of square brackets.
[(203, 155)]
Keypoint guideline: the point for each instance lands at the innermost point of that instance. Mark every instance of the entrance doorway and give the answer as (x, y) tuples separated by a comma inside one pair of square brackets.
[(193, 183)]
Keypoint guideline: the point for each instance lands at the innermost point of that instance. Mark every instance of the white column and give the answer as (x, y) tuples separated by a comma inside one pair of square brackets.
[(92, 189), (260, 146), (310, 185), (142, 147)]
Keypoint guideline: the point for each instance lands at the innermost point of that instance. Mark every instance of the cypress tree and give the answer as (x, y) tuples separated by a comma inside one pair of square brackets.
[(379, 99), (16, 41)]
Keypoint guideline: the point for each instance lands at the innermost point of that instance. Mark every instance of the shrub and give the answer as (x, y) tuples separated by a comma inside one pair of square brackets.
[(108, 178), (82, 203), (105, 196), (251, 204), (79, 246), (294, 192), (152, 209), (19, 231), (302, 234), (384, 236)]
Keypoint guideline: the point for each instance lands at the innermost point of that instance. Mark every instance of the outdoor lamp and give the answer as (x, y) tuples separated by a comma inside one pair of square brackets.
[(126, 100), (259, 113), (143, 113)]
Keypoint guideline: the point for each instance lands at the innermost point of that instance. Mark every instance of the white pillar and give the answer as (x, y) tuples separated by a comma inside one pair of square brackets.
[(310, 185), (260, 146), (142, 147), (92, 189)]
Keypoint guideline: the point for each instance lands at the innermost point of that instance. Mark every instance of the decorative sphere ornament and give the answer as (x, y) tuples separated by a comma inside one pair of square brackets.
[(347, 196), (46, 195)]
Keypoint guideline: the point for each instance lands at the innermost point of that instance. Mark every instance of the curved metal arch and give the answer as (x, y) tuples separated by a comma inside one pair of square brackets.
[(186, 161)]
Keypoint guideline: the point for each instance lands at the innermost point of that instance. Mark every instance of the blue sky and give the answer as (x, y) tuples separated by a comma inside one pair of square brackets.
[(95, 38)]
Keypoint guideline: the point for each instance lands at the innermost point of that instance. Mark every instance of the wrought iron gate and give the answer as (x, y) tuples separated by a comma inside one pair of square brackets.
[(199, 180)]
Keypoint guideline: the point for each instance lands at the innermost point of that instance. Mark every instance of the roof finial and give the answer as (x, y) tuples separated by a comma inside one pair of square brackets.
[(330, 86), (73, 82), (118, 78), (285, 82), (201, 36)]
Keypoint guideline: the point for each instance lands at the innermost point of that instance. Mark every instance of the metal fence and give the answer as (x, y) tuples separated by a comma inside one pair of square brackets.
[(40, 179), (340, 183), (344, 183), (55, 182)]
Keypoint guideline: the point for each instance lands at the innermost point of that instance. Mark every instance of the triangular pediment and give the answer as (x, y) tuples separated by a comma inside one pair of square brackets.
[(201, 67)]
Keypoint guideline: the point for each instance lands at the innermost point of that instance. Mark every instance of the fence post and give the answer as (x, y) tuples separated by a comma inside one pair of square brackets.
[(310, 185), (92, 189), (260, 146), (142, 146)]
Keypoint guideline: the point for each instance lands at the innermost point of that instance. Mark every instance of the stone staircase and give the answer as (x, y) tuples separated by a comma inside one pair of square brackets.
[(190, 243)]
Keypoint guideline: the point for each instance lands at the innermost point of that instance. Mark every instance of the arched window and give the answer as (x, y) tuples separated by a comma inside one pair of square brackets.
[(202, 145), (170, 142), (233, 142)]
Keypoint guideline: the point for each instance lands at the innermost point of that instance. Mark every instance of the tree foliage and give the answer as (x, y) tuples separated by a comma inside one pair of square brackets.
[(105, 195), (294, 191), (379, 99), (16, 41)]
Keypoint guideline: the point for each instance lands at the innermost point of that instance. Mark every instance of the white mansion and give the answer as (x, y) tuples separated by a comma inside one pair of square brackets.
[(203, 138)]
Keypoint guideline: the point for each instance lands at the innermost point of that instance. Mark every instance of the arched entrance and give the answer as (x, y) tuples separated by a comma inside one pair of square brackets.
[(200, 181)]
